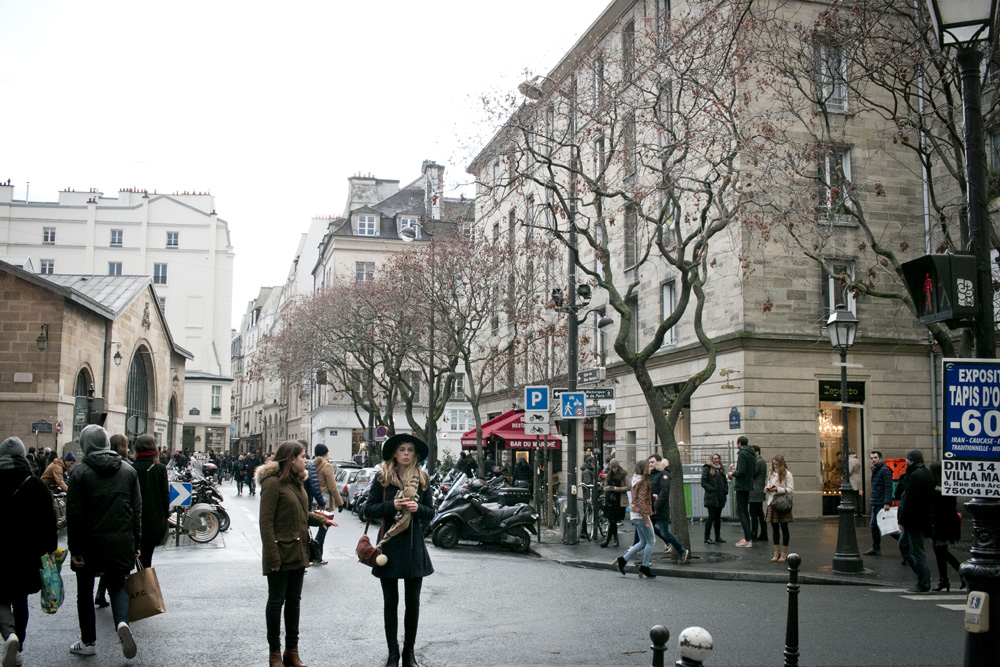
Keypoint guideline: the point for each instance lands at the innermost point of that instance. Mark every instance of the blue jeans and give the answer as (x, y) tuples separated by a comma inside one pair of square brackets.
[(917, 556), (645, 542), (663, 528), (85, 601)]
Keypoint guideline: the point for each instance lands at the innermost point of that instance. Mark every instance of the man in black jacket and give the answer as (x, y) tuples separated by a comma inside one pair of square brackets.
[(659, 482), (879, 498), (914, 517), (746, 462), (104, 530)]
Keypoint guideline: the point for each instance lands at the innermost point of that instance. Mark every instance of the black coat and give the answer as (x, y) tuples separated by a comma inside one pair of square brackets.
[(914, 512), (29, 522), (944, 518), (155, 491), (407, 554), (881, 494), (104, 512), (660, 486), (716, 486)]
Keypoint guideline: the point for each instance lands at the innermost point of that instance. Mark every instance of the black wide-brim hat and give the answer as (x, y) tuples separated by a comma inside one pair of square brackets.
[(392, 444)]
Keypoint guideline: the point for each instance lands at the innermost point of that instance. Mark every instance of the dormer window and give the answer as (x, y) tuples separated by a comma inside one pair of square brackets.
[(366, 225), (411, 223)]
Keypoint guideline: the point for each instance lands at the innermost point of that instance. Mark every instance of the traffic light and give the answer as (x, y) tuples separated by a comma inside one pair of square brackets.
[(943, 288)]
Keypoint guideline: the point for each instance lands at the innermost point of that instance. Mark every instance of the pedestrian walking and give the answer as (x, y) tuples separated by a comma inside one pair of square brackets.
[(742, 477), (757, 497), (119, 443), (615, 489), (660, 488), (253, 461), (240, 474), (400, 496), (780, 484), (716, 487), (880, 498), (284, 535), (30, 523), (641, 511), (155, 490), (328, 487), (104, 527), (914, 518), (56, 472), (946, 529), (522, 474)]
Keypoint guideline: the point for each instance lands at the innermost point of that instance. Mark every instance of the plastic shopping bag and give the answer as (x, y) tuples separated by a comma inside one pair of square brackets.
[(886, 520), (52, 592)]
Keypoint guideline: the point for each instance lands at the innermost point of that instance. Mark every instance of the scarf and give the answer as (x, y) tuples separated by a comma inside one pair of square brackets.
[(407, 491)]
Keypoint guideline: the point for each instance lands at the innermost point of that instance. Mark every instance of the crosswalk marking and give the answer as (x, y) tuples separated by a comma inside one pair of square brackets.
[(931, 597), (953, 607)]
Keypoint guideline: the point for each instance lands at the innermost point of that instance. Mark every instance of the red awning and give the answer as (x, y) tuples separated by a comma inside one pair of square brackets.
[(508, 429)]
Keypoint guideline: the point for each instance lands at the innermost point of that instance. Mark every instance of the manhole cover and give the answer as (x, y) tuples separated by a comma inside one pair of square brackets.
[(713, 557)]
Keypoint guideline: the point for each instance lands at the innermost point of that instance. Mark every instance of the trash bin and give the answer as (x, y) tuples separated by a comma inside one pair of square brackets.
[(694, 495)]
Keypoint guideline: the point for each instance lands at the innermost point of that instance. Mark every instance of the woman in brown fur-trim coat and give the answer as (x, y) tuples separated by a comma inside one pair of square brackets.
[(284, 535)]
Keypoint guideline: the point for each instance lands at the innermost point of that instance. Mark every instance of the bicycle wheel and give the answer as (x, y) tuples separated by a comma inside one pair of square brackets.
[(602, 524)]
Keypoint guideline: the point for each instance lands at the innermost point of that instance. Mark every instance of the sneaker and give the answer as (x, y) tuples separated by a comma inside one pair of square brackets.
[(79, 648), (683, 557), (10, 649), (873, 552), (668, 549), (744, 544), (20, 659), (128, 643)]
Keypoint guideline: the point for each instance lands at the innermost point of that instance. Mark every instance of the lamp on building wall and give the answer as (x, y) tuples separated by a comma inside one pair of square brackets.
[(963, 24), (118, 353), (842, 326), (176, 380), (43, 338)]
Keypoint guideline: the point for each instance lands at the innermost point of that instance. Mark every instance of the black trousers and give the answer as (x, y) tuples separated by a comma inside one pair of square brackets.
[(390, 610), (714, 519), (14, 617), (284, 589), (757, 520)]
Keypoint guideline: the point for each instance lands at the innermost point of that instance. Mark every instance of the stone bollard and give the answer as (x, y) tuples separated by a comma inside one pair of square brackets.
[(695, 646), (792, 623), (659, 636)]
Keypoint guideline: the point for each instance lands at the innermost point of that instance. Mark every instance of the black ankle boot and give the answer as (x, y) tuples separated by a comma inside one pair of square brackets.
[(409, 659), (616, 541), (393, 659), (604, 544), (942, 585)]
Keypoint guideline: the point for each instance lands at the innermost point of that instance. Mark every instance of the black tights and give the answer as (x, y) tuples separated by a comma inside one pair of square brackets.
[(612, 514), (944, 559), (784, 533), (284, 589), (390, 602), (714, 520)]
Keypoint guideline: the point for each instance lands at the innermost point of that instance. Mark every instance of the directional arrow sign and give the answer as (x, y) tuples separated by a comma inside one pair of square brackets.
[(180, 494)]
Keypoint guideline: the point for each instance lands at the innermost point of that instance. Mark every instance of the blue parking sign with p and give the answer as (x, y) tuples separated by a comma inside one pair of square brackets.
[(536, 398)]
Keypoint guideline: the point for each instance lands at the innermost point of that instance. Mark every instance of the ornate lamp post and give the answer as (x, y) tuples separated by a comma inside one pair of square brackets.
[(963, 24), (842, 326)]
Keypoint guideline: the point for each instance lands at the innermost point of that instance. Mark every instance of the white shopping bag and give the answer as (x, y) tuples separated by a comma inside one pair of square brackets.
[(886, 520)]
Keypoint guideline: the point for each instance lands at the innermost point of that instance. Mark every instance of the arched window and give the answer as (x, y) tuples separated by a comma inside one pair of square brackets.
[(137, 395), (171, 423), (83, 384)]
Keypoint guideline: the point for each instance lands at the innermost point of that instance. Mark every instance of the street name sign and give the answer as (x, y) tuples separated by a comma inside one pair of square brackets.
[(592, 393), (971, 415), (41, 426), (180, 494), (590, 376)]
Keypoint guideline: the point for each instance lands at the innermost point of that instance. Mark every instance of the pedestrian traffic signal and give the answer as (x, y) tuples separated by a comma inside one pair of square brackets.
[(943, 288)]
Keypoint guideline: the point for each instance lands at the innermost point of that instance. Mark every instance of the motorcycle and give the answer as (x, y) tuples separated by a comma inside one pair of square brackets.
[(465, 516), (59, 504), (205, 518)]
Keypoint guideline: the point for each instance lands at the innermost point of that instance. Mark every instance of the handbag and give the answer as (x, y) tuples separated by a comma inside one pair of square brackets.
[(315, 551), (782, 503), (367, 553), (887, 522), (144, 596), (52, 592)]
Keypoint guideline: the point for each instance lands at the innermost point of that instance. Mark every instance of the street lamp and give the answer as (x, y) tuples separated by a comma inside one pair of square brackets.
[(963, 24), (842, 326), (43, 338), (409, 234)]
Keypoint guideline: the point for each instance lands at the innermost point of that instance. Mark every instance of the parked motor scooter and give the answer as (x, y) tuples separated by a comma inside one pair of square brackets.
[(464, 516)]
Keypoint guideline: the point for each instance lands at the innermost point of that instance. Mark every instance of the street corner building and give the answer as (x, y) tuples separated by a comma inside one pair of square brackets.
[(79, 349)]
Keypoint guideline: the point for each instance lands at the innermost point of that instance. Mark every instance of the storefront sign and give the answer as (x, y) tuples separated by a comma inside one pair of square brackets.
[(971, 412), (980, 479), (829, 390)]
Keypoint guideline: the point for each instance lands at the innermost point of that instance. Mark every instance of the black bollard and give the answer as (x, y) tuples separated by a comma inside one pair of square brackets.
[(792, 625), (659, 636)]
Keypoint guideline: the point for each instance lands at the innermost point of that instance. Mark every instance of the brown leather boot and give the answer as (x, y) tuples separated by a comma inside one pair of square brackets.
[(274, 659), (291, 658)]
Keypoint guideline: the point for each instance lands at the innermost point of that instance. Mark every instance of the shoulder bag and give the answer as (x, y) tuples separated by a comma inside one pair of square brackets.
[(782, 503), (369, 554)]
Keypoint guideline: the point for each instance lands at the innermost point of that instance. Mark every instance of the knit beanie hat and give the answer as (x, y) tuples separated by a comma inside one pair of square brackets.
[(94, 438), (322, 450), (12, 447), (70, 456)]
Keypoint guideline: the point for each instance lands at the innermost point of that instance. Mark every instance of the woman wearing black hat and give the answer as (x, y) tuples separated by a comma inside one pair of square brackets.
[(400, 496)]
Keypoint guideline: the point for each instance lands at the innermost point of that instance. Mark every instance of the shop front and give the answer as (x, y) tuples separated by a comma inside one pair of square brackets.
[(830, 428)]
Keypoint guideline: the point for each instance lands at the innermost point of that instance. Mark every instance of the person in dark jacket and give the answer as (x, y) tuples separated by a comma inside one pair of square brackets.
[(880, 498), (914, 517), (660, 486), (716, 486), (284, 536), (522, 474), (155, 490), (946, 529), (746, 465), (27, 515), (400, 496), (253, 461), (104, 527), (240, 473), (615, 489), (757, 497)]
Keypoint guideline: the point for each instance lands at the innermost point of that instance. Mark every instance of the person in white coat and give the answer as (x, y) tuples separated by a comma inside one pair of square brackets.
[(779, 484)]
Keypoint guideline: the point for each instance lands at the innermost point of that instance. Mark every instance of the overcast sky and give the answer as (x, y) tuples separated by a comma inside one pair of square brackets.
[(269, 106)]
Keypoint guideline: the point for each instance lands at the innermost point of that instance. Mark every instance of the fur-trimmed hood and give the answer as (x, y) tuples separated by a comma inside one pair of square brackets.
[(662, 465), (270, 469)]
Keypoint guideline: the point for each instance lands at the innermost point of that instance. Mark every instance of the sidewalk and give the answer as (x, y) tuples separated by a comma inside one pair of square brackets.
[(815, 540)]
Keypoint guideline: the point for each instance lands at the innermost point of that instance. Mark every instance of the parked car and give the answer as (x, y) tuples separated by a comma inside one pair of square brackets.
[(358, 484), (344, 479)]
